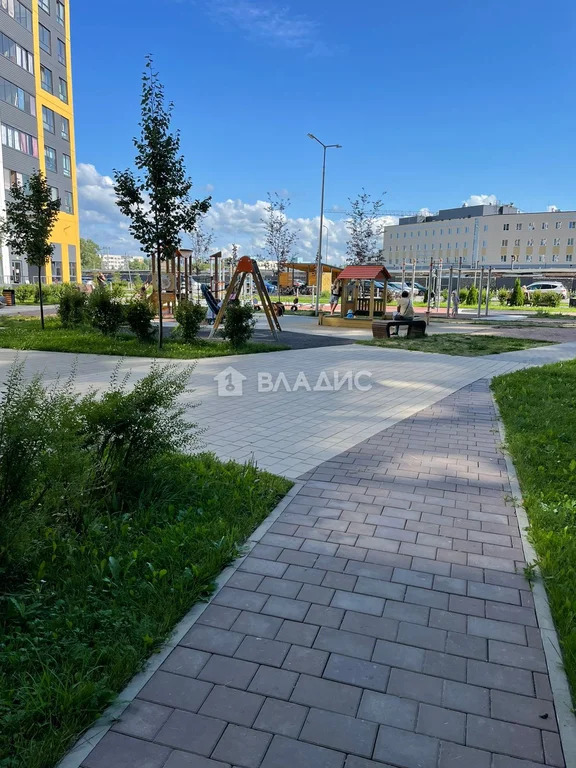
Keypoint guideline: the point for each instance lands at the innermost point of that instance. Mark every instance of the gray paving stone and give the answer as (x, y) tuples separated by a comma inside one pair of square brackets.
[(445, 665), (242, 746), (398, 655), (352, 761), (428, 597), (466, 698), (233, 706), (280, 587), (541, 685), (281, 717), (464, 645), (225, 671), (441, 723), (352, 601), (301, 559), (286, 608), (326, 694), (142, 719), (422, 637), (451, 622), (270, 681), (456, 756), (504, 761), (517, 656), (175, 691), (185, 661), (450, 585), (296, 632), (415, 614), (220, 616), (553, 749), (511, 613), (343, 581), (124, 752), (307, 660), (263, 567), (412, 578), (467, 605), (288, 753), (370, 570), (507, 738), (378, 588), (266, 552), (416, 686), (340, 641), (212, 640), (314, 594), (240, 598), (500, 677), (257, 625), (366, 674), (262, 651), (194, 733), (494, 592), (187, 760), (371, 626), (306, 575), (406, 749), (340, 732), (525, 710), (325, 616), (497, 630), (388, 710)]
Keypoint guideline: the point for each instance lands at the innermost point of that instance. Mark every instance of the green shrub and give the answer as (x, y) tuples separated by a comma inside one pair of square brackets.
[(50, 292), (517, 296), (546, 299), (238, 324), (503, 296), (72, 306), (189, 317), (139, 316), (106, 312), (472, 296), (25, 293), (463, 294)]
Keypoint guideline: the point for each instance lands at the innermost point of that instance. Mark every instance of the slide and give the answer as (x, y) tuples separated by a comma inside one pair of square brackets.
[(210, 298)]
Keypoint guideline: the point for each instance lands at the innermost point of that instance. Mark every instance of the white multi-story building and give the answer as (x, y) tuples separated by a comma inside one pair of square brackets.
[(482, 235), (113, 263)]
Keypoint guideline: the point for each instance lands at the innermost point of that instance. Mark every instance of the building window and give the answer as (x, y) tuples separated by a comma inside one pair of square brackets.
[(558, 225), (19, 12), (556, 241), (570, 241), (554, 257), (62, 52), (63, 91), (19, 140), (16, 54), (530, 242), (13, 179), (60, 13), (528, 258), (543, 241), (48, 120), (66, 165), (504, 243), (54, 194), (466, 230), (17, 97), (506, 227), (503, 257), (449, 231), (50, 157), (569, 258), (46, 79), (72, 268), (45, 5), (530, 225), (572, 225), (483, 243), (65, 128), (544, 225), (45, 41), (518, 227), (542, 258), (485, 227), (517, 242)]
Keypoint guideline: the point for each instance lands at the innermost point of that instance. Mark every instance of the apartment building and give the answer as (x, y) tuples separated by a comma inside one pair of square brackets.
[(497, 235), (37, 123)]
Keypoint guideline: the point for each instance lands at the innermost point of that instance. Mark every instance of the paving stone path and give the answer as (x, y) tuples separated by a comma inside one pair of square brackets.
[(383, 620)]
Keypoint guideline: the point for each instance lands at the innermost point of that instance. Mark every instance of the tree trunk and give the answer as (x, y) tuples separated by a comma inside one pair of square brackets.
[(41, 297), (159, 286)]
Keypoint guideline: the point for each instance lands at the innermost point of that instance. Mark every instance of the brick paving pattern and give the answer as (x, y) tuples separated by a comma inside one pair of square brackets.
[(382, 621)]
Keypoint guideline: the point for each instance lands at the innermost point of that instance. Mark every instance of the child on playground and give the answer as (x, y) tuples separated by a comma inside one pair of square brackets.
[(335, 291)]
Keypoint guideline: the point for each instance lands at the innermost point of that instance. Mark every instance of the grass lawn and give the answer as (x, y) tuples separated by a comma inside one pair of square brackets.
[(26, 333), (457, 344), (537, 407)]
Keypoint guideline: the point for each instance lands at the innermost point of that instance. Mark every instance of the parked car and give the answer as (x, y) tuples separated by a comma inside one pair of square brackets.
[(547, 287)]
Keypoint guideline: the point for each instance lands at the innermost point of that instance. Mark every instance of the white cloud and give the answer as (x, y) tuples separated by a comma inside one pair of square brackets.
[(481, 200), (425, 212), (233, 221), (552, 208)]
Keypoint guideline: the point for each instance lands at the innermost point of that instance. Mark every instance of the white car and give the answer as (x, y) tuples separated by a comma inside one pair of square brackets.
[(548, 287)]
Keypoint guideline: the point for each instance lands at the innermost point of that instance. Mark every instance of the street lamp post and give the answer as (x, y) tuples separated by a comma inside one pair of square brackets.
[(319, 254), (327, 238)]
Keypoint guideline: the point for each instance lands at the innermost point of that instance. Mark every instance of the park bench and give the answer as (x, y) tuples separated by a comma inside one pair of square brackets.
[(381, 328)]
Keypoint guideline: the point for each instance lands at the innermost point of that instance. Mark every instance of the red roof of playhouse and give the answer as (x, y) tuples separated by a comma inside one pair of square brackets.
[(366, 272)]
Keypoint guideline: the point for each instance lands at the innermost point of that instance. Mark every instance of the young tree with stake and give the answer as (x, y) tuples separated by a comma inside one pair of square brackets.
[(157, 201), (280, 238), (31, 215), (364, 228)]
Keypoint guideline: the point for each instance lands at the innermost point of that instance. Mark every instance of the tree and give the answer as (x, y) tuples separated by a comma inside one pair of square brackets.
[(364, 228), (90, 254), (201, 241), (157, 201), (139, 265), (280, 237), (517, 297), (31, 214)]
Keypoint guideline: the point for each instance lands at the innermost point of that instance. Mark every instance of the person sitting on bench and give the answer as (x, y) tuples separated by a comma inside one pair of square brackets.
[(405, 308)]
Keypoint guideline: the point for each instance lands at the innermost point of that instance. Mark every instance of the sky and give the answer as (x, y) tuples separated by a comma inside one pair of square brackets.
[(433, 104)]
